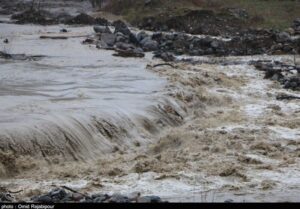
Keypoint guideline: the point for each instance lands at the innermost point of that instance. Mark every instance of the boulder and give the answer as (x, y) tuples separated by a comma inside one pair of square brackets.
[(108, 38), (150, 45), (121, 27), (102, 29), (283, 37), (120, 37), (141, 35)]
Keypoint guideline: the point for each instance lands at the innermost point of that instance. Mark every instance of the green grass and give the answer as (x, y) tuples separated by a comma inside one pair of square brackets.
[(276, 14)]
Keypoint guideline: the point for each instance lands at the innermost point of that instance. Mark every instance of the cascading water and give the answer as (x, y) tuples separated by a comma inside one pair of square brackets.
[(76, 102)]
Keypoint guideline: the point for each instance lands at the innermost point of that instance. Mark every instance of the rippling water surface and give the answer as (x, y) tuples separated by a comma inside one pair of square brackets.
[(70, 85)]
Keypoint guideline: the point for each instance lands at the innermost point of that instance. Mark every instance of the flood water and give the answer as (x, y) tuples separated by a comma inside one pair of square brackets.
[(71, 84)]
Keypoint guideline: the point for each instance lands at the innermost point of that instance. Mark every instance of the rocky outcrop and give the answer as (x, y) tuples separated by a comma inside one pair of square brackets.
[(60, 195), (247, 42), (286, 74)]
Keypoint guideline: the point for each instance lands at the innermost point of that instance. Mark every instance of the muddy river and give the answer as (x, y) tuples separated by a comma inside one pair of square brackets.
[(78, 116)]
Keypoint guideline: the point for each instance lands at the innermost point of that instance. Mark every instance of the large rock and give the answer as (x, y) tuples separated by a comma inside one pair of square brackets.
[(108, 38), (283, 37), (120, 37), (141, 35), (102, 29), (148, 44), (121, 27)]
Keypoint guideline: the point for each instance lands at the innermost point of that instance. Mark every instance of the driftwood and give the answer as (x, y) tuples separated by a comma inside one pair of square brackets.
[(53, 37), (62, 36), (20, 57)]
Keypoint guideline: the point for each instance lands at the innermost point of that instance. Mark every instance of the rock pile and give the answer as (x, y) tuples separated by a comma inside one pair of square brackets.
[(249, 42), (59, 195), (287, 75)]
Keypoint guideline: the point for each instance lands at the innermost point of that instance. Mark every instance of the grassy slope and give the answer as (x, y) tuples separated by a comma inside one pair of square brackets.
[(275, 13)]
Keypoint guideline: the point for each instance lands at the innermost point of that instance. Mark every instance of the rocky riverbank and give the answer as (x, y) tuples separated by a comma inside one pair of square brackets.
[(68, 195)]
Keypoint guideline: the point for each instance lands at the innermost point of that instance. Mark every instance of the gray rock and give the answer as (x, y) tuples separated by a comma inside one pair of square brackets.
[(228, 201), (58, 194), (146, 39), (6, 197), (214, 44), (124, 46), (100, 198), (43, 199), (141, 35), (120, 26), (102, 29), (120, 37), (117, 198), (149, 45), (149, 199), (63, 30), (283, 37), (108, 38), (102, 45)]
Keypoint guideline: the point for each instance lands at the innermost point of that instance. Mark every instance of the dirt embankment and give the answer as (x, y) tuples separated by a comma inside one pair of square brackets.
[(207, 22)]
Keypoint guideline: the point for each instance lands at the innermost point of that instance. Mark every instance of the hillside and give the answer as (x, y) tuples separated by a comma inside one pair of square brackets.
[(263, 13)]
